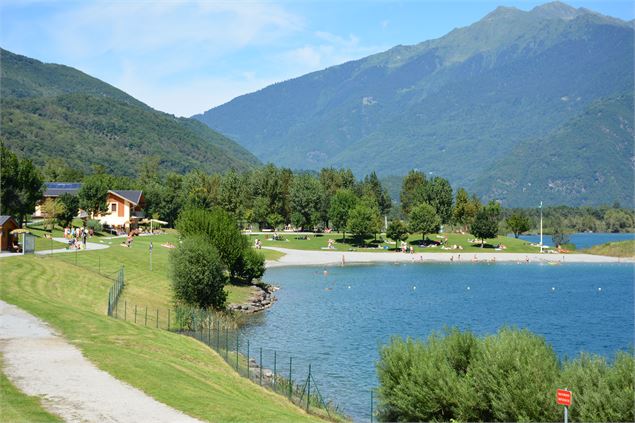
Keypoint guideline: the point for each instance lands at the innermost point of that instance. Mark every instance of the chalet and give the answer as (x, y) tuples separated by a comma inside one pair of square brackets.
[(55, 190), (125, 208), (7, 224)]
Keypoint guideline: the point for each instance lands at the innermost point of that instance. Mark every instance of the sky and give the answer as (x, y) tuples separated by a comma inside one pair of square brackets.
[(185, 57)]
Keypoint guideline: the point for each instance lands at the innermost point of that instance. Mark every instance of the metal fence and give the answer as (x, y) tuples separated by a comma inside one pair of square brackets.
[(115, 291)]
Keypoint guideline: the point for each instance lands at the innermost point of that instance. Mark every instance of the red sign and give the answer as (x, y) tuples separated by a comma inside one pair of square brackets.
[(563, 397)]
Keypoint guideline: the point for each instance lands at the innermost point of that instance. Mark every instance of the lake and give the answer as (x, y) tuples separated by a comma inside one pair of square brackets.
[(337, 321), (583, 240)]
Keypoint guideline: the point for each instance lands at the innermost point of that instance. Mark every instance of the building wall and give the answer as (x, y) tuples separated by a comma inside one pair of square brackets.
[(120, 217)]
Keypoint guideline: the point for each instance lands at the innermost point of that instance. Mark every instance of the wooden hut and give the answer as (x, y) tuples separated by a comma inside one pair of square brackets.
[(7, 224)]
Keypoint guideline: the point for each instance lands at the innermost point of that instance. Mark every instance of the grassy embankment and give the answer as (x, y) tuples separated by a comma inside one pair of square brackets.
[(624, 249), (174, 369), (320, 242), (17, 407)]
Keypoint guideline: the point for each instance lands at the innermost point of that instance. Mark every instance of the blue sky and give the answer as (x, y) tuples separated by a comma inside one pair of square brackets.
[(184, 57)]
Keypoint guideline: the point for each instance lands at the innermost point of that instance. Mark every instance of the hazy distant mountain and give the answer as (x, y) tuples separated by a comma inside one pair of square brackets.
[(52, 110), (453, 106), (588, 160)]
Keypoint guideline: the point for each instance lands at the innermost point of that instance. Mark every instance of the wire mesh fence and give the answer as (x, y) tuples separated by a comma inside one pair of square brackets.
[(115, 291)]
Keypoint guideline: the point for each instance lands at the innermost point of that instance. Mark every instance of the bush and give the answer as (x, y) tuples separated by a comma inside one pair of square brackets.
[(220, 229), (198, 274), (95, 225), (510, 376), (251, 266)]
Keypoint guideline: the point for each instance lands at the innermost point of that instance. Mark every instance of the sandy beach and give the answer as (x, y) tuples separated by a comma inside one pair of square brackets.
[(307, 258)]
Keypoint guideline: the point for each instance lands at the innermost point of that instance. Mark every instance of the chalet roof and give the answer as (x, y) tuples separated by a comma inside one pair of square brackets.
[(5, 219), (56, 189), (134, 196)]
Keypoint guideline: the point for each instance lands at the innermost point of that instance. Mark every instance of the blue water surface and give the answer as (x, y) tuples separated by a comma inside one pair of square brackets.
[(583, 240), (337, 321)]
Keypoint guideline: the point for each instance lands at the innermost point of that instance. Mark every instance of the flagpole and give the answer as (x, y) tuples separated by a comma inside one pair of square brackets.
[(541, 226)]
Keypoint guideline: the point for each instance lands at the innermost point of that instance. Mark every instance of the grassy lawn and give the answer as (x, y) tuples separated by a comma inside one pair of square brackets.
[(174, 369), (20, 408), (320, 242), (614, 249)]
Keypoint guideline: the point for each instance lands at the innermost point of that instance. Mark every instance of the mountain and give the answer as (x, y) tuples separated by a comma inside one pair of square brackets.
[(55, 111), (452, 106), (588, 160)]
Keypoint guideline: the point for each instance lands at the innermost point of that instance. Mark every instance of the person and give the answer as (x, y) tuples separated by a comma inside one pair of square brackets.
[(412, 249), (84, 236)]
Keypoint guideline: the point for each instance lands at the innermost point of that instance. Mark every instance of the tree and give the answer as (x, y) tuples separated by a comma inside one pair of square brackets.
[(617, 220), (71, 208), (305, 199), (397, 231), (198, 274), (424, 219), (461, 208), (342, 203), (485, 223), (251, 266), (363, 222), (57, 170), (372, 187), (412, 190), (518, 222), (559, 236), (231, 196), (52, 209), (93, 193), (21, 185), (438, 193), (220, 229)]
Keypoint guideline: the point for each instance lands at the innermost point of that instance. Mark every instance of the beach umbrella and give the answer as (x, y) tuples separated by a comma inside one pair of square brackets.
[(160, 222)]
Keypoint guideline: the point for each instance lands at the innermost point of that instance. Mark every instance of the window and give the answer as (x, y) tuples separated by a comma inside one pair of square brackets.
[(113, 207)]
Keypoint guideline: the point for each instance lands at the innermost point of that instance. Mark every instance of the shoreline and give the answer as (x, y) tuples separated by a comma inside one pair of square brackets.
[(315, 258)]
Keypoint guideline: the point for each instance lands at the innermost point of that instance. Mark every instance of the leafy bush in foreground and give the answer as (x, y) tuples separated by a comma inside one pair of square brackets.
[(510, 376)]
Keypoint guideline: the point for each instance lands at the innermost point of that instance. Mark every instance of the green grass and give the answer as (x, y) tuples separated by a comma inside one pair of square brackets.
[(174, 369), (320, 242), (17, 407), (614, 249)]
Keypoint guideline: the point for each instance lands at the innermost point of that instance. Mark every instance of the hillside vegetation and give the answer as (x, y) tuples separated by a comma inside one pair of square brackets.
[(453, 106), (54, 111)]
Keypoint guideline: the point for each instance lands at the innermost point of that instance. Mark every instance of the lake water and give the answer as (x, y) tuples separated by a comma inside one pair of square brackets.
[(583, 240), (337, 321)]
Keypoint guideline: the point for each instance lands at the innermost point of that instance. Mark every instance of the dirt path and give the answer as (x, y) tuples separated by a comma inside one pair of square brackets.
[(40, 362)]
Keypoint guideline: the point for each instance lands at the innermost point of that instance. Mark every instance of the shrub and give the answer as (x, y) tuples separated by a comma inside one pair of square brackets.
[(197, 273), (95, 225), (251, 266)]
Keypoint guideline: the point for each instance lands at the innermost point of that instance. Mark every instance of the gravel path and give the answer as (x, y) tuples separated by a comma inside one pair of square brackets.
[(304, 257), (41, 363)]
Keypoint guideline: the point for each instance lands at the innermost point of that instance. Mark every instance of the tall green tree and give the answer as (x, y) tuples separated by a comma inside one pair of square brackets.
[(412, 190), (363, 222), (424, 219), (71, 208), (198, 274), (343, 201), (485, 223), (438, 193), (371, 187), (57, 170), (221, 230), (397, 231), (306, 195), (518, 222), (93, 193), (22, 185)]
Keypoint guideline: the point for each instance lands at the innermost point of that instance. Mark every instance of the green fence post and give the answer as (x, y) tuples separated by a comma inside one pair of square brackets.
[(209, 331), (248, 359), (157, 318), (308, 390), (226, 344), (135, 313), (168, 319), (99, 264), (237, 352), (290, 380), (125, 309), (146, 321), (260, 366), (75, 256), (275, 362), (218, 335)]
